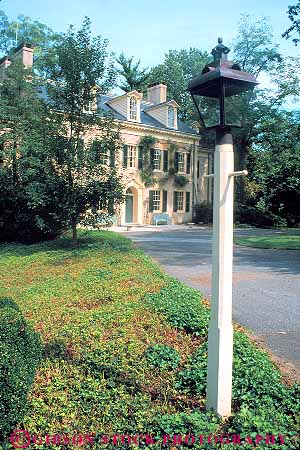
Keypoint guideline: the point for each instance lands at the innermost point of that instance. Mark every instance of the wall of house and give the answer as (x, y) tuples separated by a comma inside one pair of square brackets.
[(160, 114), (132, 178)]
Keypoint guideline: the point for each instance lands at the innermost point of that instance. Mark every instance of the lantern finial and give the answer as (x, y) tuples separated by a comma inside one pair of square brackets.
[(220, 52)]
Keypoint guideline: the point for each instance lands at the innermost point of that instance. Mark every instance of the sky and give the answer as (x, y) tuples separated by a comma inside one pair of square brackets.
[(148, 29)]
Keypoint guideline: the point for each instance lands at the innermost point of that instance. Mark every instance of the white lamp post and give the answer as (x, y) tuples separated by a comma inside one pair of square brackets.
[(218, 89)]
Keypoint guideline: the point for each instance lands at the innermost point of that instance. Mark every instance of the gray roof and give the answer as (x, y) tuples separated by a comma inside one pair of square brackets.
[(146, 119)]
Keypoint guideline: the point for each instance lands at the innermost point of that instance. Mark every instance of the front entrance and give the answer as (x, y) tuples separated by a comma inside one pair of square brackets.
[(129, 206)]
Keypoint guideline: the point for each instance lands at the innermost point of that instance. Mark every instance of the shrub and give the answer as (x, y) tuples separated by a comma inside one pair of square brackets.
[(180, 180), (181, 306), (162, 357), (257, 217), (20, 353), (256, 381), (203, 212), (183, 424)]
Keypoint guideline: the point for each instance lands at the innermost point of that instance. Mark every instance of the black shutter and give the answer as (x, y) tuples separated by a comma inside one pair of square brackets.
[(176, 162), (151, 201), (165, 201), (140, 157), (187, 201), (125, 153), (152, 158), (188, 163), (112, 157), (175, 194), (198, 168), (166, 161)]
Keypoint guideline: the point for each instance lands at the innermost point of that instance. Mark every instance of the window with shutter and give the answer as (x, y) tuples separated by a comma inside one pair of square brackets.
[(152, 158), (156, 159), (165, 201), (166, 161), (176, 162), (175, 201), (179, 201), (187, 201), (188, 163), (125, 153), (140, 158), (180, 162), (151, 193)]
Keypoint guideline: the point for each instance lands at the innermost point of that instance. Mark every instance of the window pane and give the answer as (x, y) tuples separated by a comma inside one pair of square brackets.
[(131, 156), (180, 162), (156, 200), (156, 159), (171, 117), (180, 201), (133, 108)]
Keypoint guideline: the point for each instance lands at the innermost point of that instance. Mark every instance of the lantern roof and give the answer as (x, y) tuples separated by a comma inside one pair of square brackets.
[(221, 72)]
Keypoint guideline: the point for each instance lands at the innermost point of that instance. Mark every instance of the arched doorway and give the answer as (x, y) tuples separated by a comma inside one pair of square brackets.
[(129, 206)]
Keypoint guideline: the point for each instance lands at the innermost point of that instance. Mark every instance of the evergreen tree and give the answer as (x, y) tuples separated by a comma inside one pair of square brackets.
[(134, 77)]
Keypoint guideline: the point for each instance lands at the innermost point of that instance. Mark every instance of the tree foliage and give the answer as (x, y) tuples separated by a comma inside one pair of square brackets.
[(134, 77), (82, 72), (24, 29), (177, 70), (294, 29), (28, 211)]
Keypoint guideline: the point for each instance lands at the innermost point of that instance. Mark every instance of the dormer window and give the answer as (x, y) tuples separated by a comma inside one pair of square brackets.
[(133, 108), (171, 117)]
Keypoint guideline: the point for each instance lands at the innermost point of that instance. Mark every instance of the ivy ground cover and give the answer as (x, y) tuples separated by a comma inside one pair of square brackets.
[(124, 350)]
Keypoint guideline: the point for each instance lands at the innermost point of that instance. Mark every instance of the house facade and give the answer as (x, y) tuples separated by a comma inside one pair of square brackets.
[(162, 163), (175, 156)]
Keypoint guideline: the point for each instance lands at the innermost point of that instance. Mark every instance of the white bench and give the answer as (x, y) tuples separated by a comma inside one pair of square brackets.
[(163, 217)]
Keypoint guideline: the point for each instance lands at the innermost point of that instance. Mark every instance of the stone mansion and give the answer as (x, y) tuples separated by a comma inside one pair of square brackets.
[(176, 157)]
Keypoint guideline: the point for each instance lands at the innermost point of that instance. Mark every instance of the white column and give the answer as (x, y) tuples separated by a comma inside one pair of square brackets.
[(220, 335)]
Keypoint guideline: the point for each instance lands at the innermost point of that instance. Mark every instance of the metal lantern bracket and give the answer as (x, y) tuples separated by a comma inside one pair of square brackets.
[(239, 173)]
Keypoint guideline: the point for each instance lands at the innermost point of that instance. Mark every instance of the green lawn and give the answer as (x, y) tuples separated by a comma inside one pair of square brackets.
[(280, 241), (108, 316)]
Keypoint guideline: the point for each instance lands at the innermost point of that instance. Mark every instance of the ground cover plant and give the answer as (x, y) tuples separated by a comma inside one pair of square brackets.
[(281, 241), (124, 349)]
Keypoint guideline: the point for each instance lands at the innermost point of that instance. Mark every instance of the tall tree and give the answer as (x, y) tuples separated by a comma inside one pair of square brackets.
[(294, 29), (134, 77), (39, 35), (255, 51), (28, 210), (24, 29), (81, 73)]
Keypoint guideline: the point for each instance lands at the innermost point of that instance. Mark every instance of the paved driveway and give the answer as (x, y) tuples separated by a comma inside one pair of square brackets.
[(266, 283)]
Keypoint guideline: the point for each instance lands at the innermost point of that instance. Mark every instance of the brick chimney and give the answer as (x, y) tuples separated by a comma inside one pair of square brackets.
[(24, 53), (157, 93), (4, 63)]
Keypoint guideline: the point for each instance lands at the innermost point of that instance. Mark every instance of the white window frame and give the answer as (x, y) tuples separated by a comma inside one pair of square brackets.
[(131, 156), (104, 158), (181, 164), (132, 108), (89, 109), (171, 117), (180, 201), (156, 201), (157, 159)]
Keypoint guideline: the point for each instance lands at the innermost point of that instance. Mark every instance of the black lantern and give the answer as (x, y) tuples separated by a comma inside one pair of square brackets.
[(218, 91)]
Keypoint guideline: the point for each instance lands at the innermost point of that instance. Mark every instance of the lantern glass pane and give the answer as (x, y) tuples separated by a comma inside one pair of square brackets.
[(233, 108), (209, 110)]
